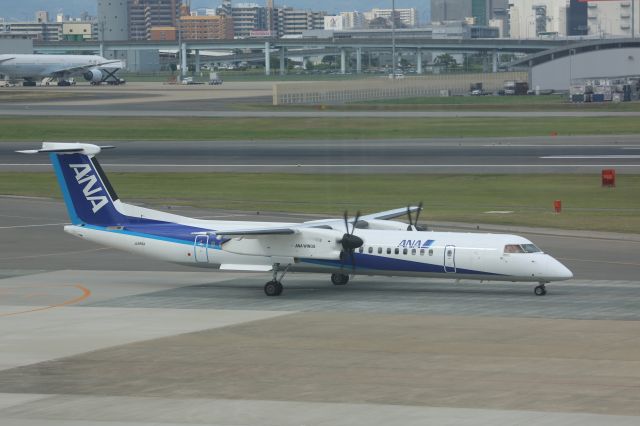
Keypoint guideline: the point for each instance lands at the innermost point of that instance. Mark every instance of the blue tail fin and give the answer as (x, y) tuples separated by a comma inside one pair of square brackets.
[(87, 192)]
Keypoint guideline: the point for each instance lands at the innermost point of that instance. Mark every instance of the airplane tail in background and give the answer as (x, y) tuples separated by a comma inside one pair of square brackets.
[(87, 193)]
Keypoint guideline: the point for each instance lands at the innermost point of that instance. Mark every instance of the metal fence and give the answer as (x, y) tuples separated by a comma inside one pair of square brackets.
[(336, 92)]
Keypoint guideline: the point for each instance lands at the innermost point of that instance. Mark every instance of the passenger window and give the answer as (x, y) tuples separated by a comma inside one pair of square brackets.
[(370, 250), (388, 250), (413, 252), (430, 252), (361, 249), (421, 252), (397, 250), (404, 251), (379, 250)]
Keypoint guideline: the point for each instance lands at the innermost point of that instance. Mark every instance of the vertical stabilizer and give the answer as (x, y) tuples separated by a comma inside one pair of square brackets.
[(87, 192)]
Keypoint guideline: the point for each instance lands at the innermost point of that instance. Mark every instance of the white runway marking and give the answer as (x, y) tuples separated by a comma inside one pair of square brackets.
[(329, 166), (591, 157), (56, 254), (34, 226)]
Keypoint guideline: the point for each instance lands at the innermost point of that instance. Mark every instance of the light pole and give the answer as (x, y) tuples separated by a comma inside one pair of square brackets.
[(393, 39), (633, 18)]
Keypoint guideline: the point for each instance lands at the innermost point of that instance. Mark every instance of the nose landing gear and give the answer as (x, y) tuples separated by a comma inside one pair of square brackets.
[(540, 290)]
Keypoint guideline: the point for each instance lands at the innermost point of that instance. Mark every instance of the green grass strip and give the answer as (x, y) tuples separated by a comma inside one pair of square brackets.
[(464, 198), (166, 128)]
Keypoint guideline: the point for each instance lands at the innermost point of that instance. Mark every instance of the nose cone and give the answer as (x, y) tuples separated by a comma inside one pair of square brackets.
[(558, 272)]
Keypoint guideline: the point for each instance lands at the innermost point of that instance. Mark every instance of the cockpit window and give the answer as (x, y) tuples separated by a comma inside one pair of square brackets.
[(513, 248), (530, 248), (521, 248)]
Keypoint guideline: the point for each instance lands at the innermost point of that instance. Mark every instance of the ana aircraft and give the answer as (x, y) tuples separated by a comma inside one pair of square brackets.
[(31, 68), (364, 245)]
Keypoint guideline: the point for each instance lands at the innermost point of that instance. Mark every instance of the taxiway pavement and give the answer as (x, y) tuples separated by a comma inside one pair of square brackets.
[(562, 154), (94, 336)]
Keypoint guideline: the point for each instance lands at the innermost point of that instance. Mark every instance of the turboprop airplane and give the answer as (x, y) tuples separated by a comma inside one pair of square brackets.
[(31, 68), (363, 245)]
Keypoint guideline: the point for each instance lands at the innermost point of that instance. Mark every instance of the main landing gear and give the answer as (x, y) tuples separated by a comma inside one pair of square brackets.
[(339, 279), (540, 290), (274, 287)]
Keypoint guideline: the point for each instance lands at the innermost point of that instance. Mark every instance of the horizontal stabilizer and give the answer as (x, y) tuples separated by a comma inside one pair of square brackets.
[(67, 148)]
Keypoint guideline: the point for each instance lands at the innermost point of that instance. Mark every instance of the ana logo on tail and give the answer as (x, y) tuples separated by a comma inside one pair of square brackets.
[(91, 186)]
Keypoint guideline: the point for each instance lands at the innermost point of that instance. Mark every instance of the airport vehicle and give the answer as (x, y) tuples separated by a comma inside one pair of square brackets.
[(31, 68), (363, 245), (214, 79)]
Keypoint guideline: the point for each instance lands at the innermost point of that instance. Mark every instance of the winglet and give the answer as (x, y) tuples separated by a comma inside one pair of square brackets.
[(67, 148)]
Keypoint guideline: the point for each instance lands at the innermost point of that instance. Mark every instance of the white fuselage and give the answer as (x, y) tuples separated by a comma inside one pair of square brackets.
[(35, 67), (391, 253)]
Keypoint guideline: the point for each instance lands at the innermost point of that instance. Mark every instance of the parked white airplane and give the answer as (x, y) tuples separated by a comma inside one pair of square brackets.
[(366, 245), (31, 68)]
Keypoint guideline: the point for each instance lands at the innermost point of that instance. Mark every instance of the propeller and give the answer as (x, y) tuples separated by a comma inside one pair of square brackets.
[(349, 241), (413, 225)]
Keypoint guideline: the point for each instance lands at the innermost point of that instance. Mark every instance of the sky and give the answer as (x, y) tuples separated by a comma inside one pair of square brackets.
[(24, 10)]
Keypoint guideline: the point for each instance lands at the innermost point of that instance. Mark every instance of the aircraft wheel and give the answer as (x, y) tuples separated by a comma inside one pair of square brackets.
[(273, 288), (540, 290), (339, 279)]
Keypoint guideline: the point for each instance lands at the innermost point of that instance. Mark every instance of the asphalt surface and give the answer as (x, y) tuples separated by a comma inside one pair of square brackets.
[(95, 336), (176, 110), (31, 230), (580, 154)]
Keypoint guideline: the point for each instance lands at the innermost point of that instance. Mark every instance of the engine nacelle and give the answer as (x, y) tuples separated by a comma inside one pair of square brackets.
[(93, 75)]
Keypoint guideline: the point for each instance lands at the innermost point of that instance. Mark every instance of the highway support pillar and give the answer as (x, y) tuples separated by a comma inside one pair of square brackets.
[(283, 61), (183, 59), (198, 60), (419, 62), (343, 61), (359, 60), (494, 57), (267, 58)]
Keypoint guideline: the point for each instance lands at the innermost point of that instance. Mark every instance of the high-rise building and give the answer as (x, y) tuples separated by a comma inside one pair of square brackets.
[(480, 10), (292, 21), (145, 14), (113, 20), (577, 18), (42, 16), (450, 10), (612, 18), (247, 17), (353, 20), (45, 31), (206, 27), (530, 19), (406, 17)]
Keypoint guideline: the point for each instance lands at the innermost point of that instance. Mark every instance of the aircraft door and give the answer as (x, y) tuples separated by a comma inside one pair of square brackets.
[(200, 248), (450, 259)]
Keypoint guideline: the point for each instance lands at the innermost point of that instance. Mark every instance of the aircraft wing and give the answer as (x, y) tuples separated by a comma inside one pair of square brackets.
[(5, 60), (84, 67), (362, 220), (323, 224), (390, 214), (256, 232)]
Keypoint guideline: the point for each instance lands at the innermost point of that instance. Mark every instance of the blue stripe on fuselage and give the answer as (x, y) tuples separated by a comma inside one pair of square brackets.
[(382, 263)]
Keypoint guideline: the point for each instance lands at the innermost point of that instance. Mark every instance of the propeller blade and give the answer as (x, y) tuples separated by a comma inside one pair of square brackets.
[(410, 227), (346, 221), (418, 214), (353, 229)]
